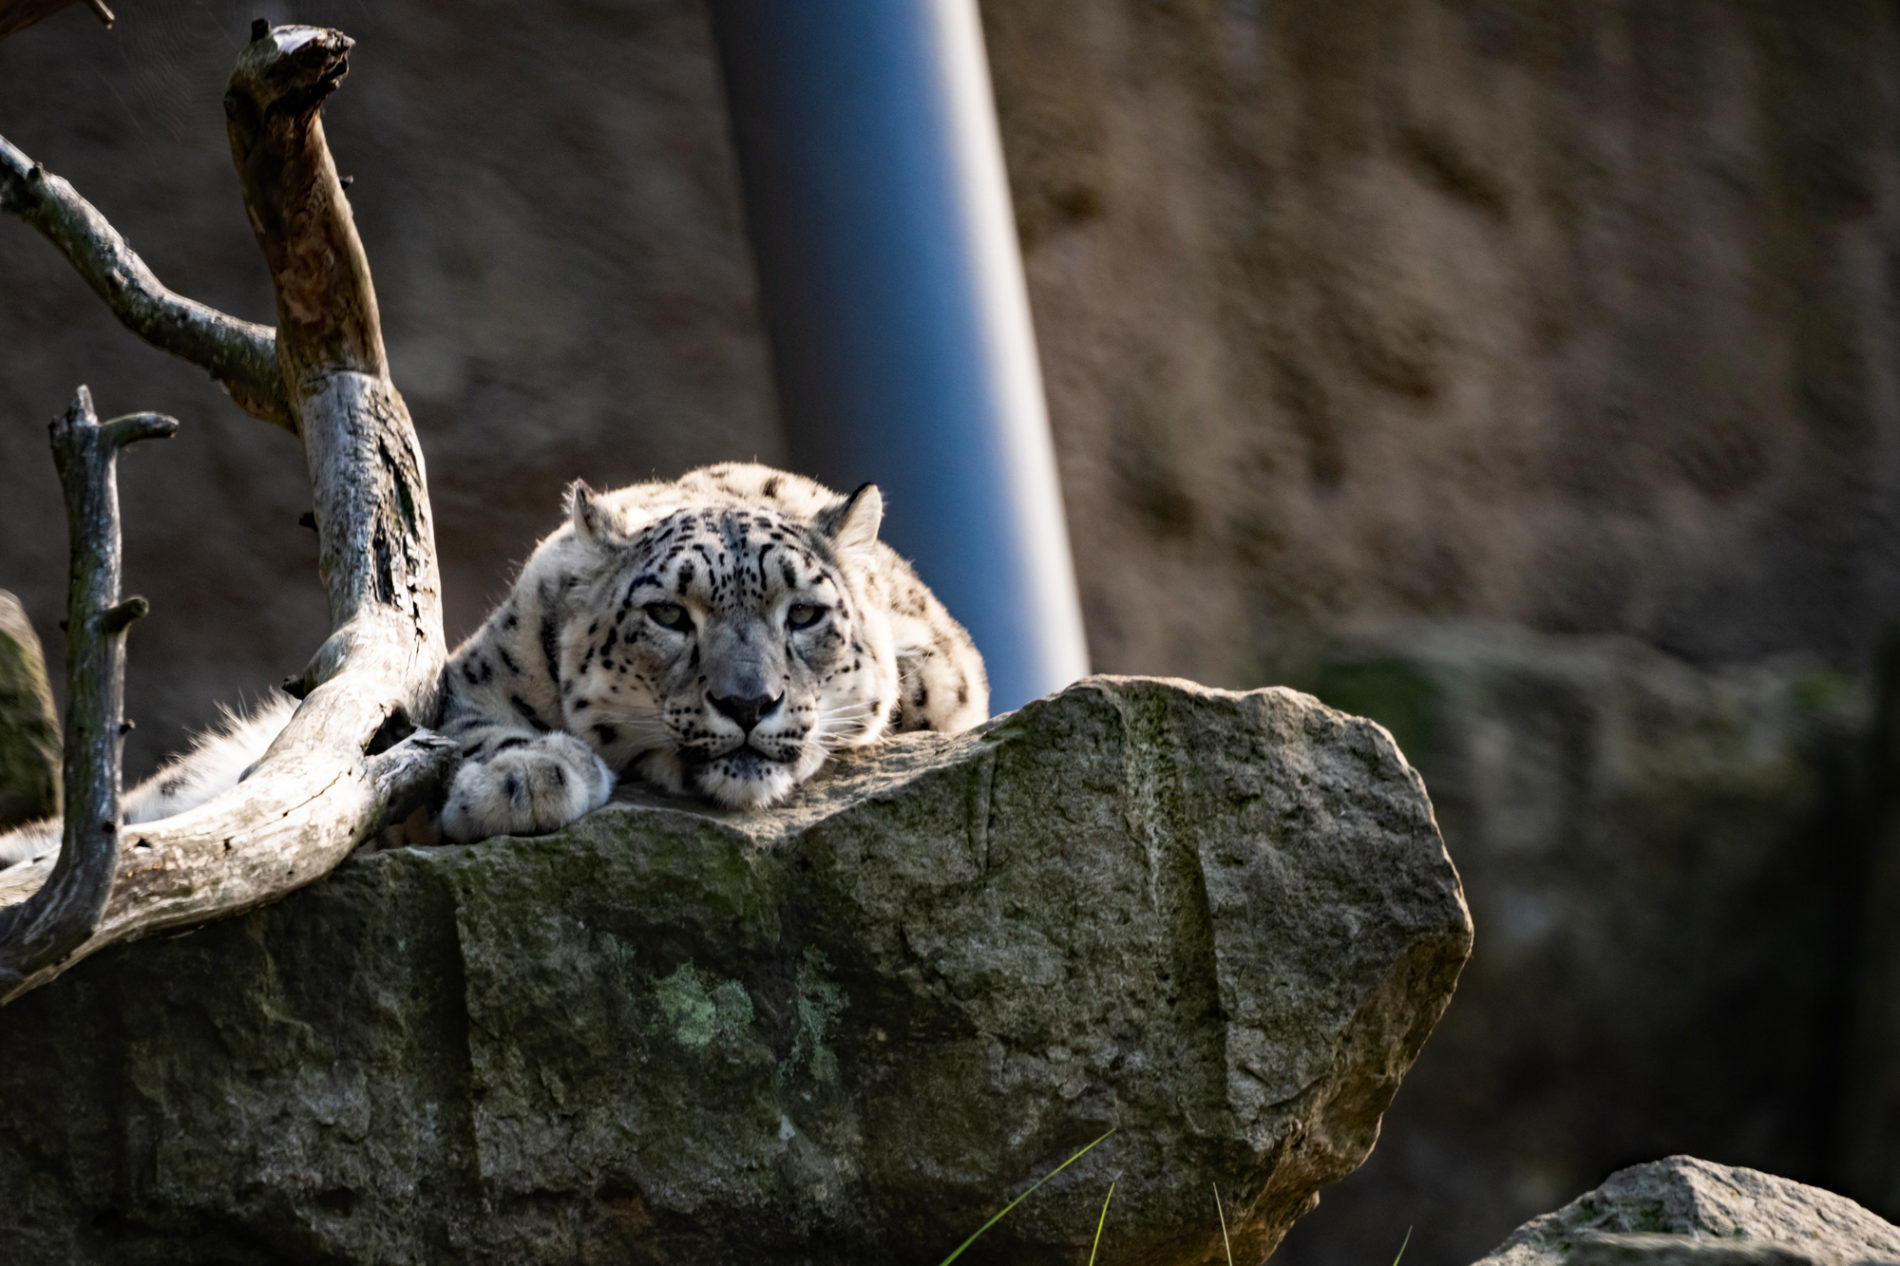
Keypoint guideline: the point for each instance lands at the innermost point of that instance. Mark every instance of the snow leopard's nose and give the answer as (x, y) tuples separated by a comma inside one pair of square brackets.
[(748, 711)]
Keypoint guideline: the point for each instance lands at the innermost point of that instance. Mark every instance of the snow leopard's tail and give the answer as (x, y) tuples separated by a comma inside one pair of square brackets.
[(216, 762)]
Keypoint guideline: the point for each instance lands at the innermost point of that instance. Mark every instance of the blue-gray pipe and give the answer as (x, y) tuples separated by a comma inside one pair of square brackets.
[(895, 303)]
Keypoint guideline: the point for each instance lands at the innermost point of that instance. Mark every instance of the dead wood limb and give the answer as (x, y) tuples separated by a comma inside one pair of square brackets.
[(240, 355), (377, 551), (317, 794), (42, 931)]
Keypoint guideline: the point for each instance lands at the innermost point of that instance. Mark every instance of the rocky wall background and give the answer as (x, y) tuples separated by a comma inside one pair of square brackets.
[(1519, 372)]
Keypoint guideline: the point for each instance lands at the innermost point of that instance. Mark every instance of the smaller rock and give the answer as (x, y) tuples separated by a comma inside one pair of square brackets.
[(29, 728), (1687, 1212)]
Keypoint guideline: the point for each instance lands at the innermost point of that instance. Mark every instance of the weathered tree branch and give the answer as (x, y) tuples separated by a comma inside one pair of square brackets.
[(240, 355), (41, 931), (318, 793)]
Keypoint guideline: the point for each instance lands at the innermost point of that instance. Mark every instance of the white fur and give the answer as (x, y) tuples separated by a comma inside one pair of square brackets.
[(217, 761)]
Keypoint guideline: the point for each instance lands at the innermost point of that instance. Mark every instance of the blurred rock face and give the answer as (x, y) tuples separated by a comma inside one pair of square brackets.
[(1568, 315), (1666, 881), (1574, 317), (1571, 314)]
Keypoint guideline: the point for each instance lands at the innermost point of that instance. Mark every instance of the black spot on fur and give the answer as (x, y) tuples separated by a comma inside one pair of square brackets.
[(508, 661), (607, 734), (510, 744), (527, 713), (550, 653)]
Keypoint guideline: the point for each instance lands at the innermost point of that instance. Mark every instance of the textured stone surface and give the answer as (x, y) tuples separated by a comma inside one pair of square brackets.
[(29, 729), (842, 1031), (1664, 863), (1698, 1213)]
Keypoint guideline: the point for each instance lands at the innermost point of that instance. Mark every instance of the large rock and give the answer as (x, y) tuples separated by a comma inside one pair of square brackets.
[(845, 1030), (1696, 1213), (29, 730)]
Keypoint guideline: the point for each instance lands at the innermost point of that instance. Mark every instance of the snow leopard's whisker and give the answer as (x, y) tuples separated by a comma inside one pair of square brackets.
[(846, 722)]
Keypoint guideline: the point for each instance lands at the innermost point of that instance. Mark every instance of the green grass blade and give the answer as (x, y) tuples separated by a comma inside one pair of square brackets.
[(1223, 1226), (1103, 1221), (1402, 1244), (1018, 1200)]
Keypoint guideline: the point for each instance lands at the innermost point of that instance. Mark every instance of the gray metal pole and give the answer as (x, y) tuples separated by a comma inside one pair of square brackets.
[(894, 298)]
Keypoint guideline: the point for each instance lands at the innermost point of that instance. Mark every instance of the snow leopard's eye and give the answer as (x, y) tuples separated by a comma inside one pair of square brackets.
[(804, 614), (670, 615)]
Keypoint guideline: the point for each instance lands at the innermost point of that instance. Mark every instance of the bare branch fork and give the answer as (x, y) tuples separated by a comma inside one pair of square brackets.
[(58, 918), (320, 791), (240, 355)]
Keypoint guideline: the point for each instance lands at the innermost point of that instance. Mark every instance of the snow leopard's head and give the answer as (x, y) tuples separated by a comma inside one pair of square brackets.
[(723, 643)]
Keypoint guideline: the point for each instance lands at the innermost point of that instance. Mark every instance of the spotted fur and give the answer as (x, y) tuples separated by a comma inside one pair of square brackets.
[(718, 636)]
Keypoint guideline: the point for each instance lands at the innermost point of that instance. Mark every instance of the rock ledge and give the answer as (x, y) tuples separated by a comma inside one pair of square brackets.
[(841, 1031)]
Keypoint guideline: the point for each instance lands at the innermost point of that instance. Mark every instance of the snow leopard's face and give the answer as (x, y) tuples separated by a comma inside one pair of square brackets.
[(725, 650)]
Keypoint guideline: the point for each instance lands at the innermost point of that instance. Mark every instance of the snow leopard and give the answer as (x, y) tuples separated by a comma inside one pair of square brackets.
[(716, 637)]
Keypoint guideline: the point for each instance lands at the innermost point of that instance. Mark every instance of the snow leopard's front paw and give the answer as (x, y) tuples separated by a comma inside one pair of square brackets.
[(532, 786)]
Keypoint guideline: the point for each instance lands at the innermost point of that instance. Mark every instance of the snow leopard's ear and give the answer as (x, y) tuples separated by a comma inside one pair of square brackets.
[(853, 526), (590, 518)]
